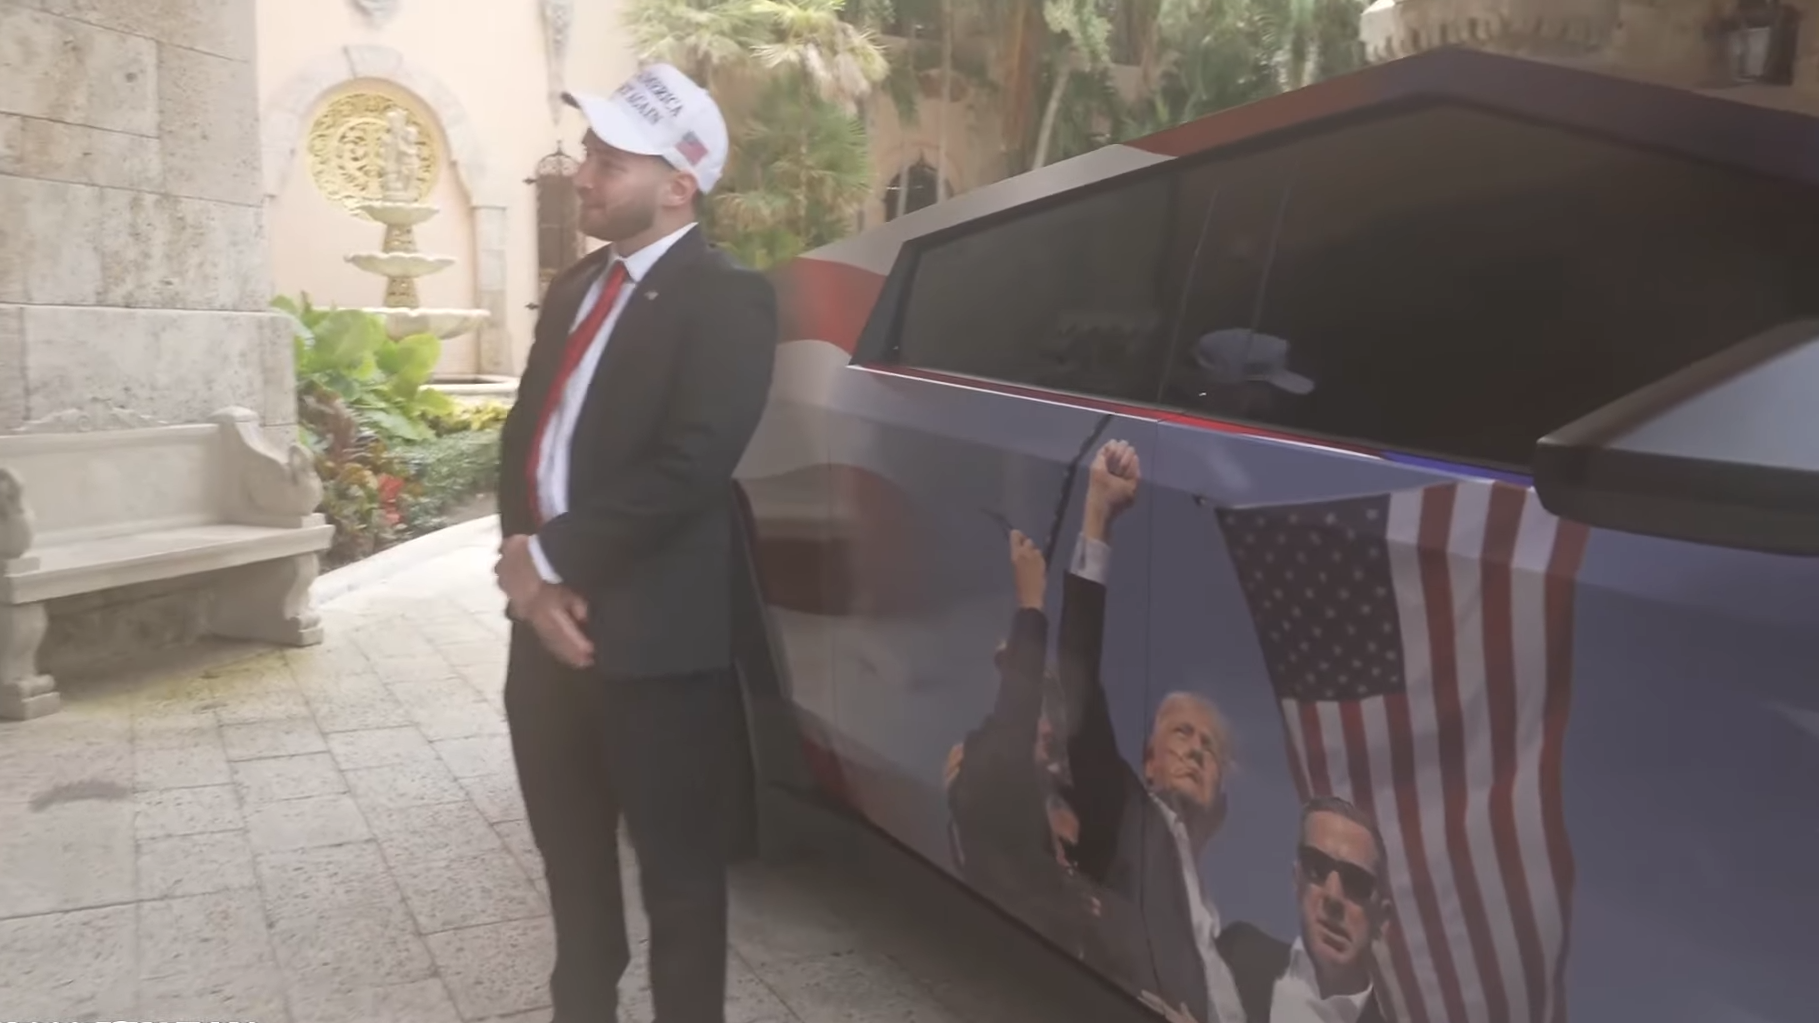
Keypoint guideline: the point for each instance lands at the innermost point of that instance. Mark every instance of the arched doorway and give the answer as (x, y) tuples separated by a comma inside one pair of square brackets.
[(923, 183)]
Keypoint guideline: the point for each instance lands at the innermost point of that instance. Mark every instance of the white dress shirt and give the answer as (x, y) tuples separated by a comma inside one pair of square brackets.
[(559, 432), (1296, 998), (1092, 561)]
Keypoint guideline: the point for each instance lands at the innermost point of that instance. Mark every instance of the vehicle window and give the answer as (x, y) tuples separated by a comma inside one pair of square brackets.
[(1069, 296), (1220, 267), (1455, 282)]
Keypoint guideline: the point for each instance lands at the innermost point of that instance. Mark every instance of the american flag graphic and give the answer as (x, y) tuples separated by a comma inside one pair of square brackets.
[(1420, 645), (692, 148)]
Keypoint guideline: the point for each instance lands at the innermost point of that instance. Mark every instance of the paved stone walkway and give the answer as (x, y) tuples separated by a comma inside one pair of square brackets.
[(335, 835)]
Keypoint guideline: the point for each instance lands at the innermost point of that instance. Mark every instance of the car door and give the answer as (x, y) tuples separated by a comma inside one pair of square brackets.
[(1569, 755), (1018, 347)]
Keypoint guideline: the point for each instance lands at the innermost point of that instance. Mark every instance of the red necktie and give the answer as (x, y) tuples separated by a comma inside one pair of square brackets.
[(578, 343)]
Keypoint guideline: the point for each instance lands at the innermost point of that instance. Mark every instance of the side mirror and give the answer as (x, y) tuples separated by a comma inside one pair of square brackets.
[(1724, 452)]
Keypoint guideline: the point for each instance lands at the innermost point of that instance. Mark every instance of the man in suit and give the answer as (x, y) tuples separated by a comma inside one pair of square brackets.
[(649, 371), (1141, 835), (1011, 832), (1007, 839), (1325, 975)]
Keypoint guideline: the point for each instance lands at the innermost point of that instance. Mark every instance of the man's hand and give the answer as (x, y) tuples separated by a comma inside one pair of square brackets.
[(559, 615), (1029, 571), (1111, 486), (517, 573)]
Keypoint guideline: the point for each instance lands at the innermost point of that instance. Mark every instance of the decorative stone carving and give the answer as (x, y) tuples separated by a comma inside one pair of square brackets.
[(377, 12), (290, 108), (15, 518), (24, 692), (402, 163), (99, 415), (285, 121), (400, 263), (119, 509), (269, 603), (351, 156), (271, 489), (1542, 29), (558, 24)]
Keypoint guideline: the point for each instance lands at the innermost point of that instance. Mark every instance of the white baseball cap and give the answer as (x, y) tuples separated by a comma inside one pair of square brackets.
[(661, 112), (1239, 355)]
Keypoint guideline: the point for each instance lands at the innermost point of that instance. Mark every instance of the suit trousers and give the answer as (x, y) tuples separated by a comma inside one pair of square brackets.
[(663, 752)]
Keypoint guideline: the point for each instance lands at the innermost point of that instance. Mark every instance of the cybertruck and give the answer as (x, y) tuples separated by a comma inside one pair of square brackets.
[(1459, 419)]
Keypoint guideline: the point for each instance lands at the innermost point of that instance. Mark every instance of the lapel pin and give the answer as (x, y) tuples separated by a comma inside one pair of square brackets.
[(651, 293)]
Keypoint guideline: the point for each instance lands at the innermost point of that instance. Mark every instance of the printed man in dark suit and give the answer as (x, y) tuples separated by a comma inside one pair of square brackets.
[(1141, 834), (1012, 832), (1326, 974), (649, 371)]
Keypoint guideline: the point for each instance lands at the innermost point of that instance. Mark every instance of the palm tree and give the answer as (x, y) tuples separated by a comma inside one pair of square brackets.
[(1310, 40), (825, 60), (1201, 56), (947, 97), (1210, 54), (699, 36), (904, 84), (802, 169), (798, 169), (839, 60), (915, 84), (1083, 43)]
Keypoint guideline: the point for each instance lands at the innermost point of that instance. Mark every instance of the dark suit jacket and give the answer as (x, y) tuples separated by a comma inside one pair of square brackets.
[(676, 397), (998, 802), (999, 813), (1257, 960), (1125, 841)]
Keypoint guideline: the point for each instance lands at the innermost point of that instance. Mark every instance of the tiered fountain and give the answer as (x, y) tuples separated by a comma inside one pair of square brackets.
[(401, 264)]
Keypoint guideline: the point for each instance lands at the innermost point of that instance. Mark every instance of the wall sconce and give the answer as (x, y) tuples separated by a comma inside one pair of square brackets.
[(1757, 42)]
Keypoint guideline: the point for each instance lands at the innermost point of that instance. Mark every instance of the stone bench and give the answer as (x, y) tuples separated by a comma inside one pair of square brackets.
[(91, 511)]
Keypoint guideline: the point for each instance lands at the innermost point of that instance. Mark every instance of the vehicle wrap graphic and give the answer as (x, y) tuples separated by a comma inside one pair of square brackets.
[(1259, 707)]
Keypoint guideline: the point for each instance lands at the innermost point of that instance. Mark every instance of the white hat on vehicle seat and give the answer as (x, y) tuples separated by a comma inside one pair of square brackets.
[(1237, 355)]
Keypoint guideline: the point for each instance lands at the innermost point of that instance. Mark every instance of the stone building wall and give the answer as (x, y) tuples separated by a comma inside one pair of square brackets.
[(134, 276), (1662, 41), (134, 272)]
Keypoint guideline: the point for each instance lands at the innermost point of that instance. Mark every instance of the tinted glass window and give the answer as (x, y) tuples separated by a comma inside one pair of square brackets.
[(1459, 283), (1219, 266), (1070, 297)]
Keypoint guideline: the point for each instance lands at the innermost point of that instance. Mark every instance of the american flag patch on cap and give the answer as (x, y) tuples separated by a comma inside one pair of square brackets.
[(691, 148)]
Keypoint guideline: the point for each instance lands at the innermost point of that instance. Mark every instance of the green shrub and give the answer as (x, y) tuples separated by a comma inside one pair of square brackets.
[(449, 470), (489, 415), (367, 492), (381, 381), (361, 403)]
